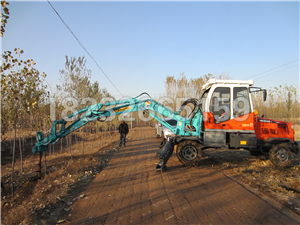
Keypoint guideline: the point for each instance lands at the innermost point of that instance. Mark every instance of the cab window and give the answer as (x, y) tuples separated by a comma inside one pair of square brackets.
[(241, 102), (220, 104)]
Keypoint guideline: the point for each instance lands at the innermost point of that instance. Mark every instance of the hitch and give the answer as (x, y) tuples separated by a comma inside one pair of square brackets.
[(165, 155)]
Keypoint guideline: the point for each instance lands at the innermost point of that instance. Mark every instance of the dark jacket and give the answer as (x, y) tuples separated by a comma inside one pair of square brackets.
[(123, 128)]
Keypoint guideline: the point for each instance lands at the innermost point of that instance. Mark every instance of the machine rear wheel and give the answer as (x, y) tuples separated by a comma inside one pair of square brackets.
[(189, 152), (280, 155)]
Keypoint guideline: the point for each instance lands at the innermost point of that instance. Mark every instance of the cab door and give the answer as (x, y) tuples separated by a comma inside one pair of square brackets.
[(228, 109)]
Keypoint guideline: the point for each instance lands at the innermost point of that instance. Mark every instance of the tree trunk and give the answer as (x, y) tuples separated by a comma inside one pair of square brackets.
[(92, 141), (13, 158), (90, 137), (83, 142), (45, 163), (102, 138), (99, 137), (61, 146), (33, 125), (24, 147), (21, 154), (70, 147), (76, 138), (11, 145), (39, 169)]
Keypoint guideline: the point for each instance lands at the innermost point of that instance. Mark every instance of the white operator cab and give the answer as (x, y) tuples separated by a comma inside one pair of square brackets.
[(227, 108)]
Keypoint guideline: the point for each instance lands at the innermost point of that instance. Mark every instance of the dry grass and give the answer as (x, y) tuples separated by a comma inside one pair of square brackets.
[(66, 172), (282, 184), (265, 175), (291, 120), (295, 121), (297, 132)]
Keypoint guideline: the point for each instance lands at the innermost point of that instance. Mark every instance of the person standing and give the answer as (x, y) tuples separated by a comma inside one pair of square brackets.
[(123, 130)]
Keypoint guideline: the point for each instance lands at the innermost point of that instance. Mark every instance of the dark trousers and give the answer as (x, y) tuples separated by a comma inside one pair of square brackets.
[(122, 139)]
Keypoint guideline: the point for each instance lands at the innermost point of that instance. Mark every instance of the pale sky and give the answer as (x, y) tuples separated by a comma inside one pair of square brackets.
[(138, 44)]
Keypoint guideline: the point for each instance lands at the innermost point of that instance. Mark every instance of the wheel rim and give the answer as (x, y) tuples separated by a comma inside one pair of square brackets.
[(189, 152), (282, 155)]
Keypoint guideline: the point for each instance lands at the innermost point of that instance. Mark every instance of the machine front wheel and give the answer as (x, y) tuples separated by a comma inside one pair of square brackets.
[(189, 152), (280, 155)]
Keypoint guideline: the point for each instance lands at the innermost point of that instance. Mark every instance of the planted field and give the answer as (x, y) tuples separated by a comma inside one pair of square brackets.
[(109, 186), (71, 162)]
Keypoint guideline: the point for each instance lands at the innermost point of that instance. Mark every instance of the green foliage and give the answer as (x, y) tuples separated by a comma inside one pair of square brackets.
[(76, 86), (4, 16), (98, 93), (22, 88), (75, 79)]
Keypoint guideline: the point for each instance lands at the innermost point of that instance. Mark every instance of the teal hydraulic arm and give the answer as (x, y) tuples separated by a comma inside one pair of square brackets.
[(101, 111)]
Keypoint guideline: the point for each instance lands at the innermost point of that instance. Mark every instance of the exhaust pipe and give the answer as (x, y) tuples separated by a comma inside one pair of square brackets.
[(165, 155)]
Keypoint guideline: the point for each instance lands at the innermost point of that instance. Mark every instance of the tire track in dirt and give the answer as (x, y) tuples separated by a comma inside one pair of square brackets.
[(129, 191)]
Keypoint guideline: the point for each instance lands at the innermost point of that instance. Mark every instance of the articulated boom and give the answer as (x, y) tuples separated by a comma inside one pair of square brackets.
[(101, 111)]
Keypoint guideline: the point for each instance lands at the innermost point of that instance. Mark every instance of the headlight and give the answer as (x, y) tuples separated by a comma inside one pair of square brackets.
[(292, 126), (167, 132)]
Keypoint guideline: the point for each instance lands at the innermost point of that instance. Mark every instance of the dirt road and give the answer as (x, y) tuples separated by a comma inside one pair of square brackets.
[(129, 191)]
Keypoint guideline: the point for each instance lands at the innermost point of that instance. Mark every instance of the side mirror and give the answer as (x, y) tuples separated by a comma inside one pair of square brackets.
[(265, 95)]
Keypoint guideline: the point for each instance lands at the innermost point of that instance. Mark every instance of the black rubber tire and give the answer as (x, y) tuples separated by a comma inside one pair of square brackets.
[(189, 152), (280, 155)]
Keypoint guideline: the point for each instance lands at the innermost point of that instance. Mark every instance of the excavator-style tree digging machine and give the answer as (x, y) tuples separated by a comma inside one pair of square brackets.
[(223, 117)]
